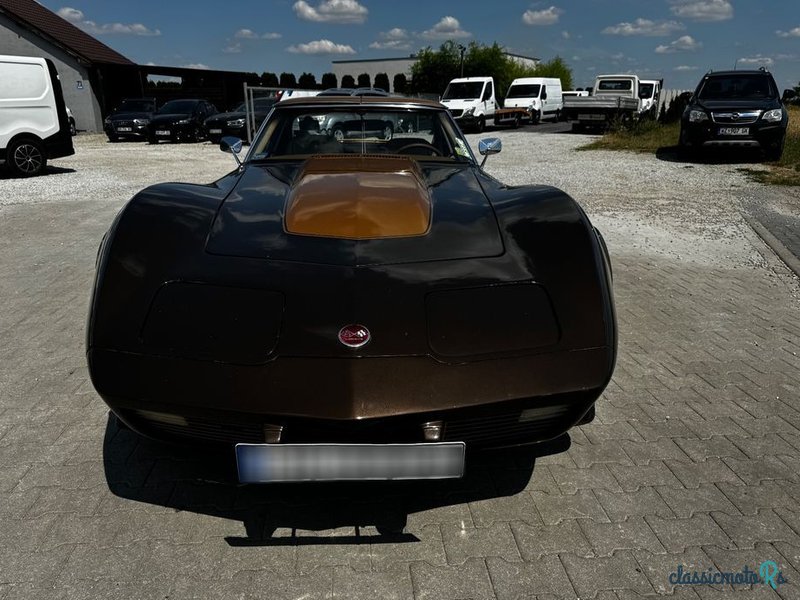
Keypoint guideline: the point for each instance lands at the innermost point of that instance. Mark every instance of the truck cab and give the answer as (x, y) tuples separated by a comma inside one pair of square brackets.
[(649, 96), (471, 101)]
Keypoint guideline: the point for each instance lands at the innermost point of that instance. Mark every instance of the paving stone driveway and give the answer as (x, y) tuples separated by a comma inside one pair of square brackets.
[(693, 461)]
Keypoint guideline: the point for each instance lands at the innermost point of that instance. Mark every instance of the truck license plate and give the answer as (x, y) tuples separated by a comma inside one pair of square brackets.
[(162, 132), (734, 131), (591, 118)]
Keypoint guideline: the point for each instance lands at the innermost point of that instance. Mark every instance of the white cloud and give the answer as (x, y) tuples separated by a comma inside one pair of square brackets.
[(77, 18), (756, 60), (332, 11), (249, 34), (791, 33), (703, 10), (548, 16), (644, 27), (394, 39), (685, 43), (196, 66), (565, 35), (232, 48), (685, 68), (447, 28), (321, 47)]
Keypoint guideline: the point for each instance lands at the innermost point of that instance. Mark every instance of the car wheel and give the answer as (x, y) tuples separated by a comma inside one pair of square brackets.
[(388, 131), (338, 134), (773, 154), (577, 128), (113, 138), (536, 116), (481, 125), (26, 157), (72, 129), (151, 139), (517, 122)]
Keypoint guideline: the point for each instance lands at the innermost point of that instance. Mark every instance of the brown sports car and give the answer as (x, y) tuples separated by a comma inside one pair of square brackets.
[(353, 306)]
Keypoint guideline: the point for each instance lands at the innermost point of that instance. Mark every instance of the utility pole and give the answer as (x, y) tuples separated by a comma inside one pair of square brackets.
[(462, 48)]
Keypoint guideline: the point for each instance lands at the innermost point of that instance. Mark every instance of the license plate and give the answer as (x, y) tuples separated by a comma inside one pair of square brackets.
[(215, 131), (124, 129), (268, 463), (163, 132), (734, 131), (591, 118)]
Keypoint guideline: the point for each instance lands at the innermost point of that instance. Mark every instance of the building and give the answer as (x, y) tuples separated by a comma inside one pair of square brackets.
[(395, 66), (94, 77)]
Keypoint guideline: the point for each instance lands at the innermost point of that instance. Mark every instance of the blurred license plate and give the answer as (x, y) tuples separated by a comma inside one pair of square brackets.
[(265, 463), (124, 129), (734, 131), (162, 132), (591, 118), (215, 131)]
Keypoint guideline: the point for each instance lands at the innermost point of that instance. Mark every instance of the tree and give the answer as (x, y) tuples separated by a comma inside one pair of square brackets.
[(329, 80), (288, 80), (363, 80), (556, 68), (348, 81), (400, 83), (269, 80), (382, 81), (307, 81)]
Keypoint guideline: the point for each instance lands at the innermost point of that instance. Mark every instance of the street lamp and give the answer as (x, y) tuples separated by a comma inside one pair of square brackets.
[(462, 48)]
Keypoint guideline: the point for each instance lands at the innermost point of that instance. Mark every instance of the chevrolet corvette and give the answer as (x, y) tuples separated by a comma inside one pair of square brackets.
[(352, 306)]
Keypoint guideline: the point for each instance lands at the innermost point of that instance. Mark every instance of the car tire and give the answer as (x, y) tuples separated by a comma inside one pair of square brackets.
[(72, 129), (26, 157), (578, 128), (536, 117), (774, 154), (517, 122), (113, 138), (151, 139), (338, 134), (481, 125)]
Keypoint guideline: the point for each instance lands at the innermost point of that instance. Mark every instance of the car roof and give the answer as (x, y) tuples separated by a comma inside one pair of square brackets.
[(366, 100), (738, 72)]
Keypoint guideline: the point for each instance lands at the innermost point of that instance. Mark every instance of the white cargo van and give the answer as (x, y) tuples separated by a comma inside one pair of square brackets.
[(34, 126), (541, 96), (471, 101)]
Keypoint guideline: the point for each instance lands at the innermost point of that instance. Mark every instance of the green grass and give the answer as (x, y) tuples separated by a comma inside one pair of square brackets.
[(650, 137)]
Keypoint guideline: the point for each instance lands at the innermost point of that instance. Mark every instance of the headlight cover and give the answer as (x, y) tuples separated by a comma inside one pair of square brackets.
[(235, 123), (141, 121), (183, 122), (469, 112), (697, 116), (773, 116)]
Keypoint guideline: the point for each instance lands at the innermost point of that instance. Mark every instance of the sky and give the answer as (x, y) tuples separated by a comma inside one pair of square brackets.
[(678, 40)]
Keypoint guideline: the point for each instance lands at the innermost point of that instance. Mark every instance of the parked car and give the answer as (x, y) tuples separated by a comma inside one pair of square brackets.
[(363, 91), (235, 122), (180, 121), (34, 125), (130, 119), (73, 129), (352, 309), (471, 101), (735, 109)]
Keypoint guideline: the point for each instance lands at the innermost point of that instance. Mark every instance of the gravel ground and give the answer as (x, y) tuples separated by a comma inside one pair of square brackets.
[(642, 203)]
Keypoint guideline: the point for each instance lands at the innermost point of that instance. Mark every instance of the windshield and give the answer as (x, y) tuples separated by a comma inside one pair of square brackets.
[(303, 131), (646, 90), (614, 85), (737, 86), (137, 106), (259, 104), (524, 91), (177, 106), (463, 91)]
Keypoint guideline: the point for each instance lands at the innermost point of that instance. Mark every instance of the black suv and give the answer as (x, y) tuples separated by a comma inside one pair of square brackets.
[(130, 119), (735, 109)]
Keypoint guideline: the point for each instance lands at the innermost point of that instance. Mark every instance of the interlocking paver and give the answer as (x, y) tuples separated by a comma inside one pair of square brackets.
[(652, 474), (715, 447), (748, 499), (679, 534), (539, 579), (658, 567), (470, 580), (632, 534), (654, 450), (590, 575), (554, 507), (354, 585), (644, 501), (764, 526), (461, 543), (504, 509), (712, 470), (535, 542)]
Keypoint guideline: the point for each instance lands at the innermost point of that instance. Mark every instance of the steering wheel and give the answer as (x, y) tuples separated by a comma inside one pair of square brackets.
[(424, 145)]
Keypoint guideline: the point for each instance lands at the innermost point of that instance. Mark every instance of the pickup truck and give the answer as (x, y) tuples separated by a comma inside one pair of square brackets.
[(614, 97)]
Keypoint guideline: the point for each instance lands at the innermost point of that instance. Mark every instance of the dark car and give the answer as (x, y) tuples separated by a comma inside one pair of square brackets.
[(235, 122), (130, 119), (735, 109), (355, 308), (180, 121), (353, 92)]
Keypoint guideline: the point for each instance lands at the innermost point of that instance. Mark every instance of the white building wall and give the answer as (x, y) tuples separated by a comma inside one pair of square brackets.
[(78, 93)]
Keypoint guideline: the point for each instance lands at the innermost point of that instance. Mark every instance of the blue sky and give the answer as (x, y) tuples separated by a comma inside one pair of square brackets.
[(675, 39)]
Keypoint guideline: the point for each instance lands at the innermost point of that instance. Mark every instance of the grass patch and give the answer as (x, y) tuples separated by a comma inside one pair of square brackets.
[(650, 136)]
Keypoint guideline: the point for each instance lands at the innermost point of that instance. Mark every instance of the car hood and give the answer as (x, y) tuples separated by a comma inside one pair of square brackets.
[(357, 211), (170, 118), (227, 115), (127, 116), (460, 103), (744, 104)]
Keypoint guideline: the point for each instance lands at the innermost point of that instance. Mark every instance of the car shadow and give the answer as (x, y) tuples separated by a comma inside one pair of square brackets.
[(48, 170), (713, 156), (204, 481)]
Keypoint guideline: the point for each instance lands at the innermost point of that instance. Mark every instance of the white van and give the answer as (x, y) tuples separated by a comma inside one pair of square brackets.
[(34, 126), (540, 95), (471, 101)]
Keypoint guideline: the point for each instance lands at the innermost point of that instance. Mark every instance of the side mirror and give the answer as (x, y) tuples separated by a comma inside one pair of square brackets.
[(233, 145), (489, 146)]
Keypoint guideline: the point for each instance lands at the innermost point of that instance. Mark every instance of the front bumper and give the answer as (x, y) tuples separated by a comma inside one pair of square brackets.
[(171, 131), (217, 131), (125, 130), (710, 134), (361, 400)]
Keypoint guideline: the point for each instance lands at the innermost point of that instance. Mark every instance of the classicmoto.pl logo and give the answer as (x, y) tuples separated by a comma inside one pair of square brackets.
[(767, 573)]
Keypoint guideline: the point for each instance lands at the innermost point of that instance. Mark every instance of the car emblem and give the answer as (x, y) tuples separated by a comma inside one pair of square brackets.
[(354, 336), (735, 116)]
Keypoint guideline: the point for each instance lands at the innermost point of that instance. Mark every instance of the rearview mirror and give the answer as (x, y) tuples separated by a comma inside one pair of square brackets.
[(233, 145), (489, 146)]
